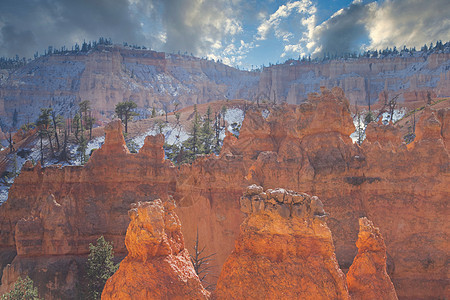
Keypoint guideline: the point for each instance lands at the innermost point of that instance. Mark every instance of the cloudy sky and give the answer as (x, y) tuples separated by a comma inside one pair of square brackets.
[(239, 32)]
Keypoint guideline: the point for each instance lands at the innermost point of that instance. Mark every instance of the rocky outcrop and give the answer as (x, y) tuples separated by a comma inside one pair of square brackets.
[(367, 277), (385, 135), (284, 250), (54, 213), (158, 265), (401, 188)]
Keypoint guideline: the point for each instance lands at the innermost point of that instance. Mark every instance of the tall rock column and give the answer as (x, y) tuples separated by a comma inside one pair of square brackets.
[(284, 250), (367, 277), (158, 265)]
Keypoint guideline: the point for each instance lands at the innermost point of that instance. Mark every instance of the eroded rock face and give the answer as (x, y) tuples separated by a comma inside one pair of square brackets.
[(367, 277), (284, 250), (110, 74), (403, 189), (158, 265)]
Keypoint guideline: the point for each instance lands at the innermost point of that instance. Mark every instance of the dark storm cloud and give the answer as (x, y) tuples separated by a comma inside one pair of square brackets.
[(382, 24), (28, 25), (13, 41), (189, 25), (343, 32)]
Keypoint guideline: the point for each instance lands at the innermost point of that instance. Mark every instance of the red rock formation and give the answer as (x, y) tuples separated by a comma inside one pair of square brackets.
[(87, 202), (386, 135), (367, 277), (158, 265), (403, 189), (284, 251)]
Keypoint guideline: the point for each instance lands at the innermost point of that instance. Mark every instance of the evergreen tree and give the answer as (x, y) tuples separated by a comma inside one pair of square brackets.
[(81, 150), (124, 111), (58, 122), (23, 290), (85, 106), (99, 267), (44, 129), (195, 133), (206, 134), (77, 124)]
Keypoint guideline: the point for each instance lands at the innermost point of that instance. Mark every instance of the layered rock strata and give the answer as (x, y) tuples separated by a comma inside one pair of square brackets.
[(284, 250), (109, 74), (158, 265)]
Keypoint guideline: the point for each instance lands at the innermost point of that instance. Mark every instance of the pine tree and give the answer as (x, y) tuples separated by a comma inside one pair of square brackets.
[(201, 263), (124, 111), (195, 133), (23, 290), (77, 123), (43, 123), (99, 267), (207, 135)]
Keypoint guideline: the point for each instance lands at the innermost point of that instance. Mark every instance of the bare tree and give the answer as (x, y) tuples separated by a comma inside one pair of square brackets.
[(201, 263)]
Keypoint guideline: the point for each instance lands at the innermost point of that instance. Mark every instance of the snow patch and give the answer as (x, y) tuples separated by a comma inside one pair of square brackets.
[(385, 117), (234, 116)]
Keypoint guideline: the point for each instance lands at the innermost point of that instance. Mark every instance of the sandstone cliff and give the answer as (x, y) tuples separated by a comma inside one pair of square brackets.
[(404, 190), (284, 251), (110, 74), (361, 79), (367, 277), (158, 265)]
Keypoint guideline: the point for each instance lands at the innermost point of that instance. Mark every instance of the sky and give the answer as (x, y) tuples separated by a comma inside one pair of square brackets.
[(243, 33)]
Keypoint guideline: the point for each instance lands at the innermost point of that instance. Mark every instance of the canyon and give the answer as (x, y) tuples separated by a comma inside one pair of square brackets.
[(53, 213), (111, 74)]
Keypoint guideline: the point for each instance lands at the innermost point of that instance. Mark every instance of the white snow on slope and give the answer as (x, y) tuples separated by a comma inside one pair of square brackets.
[(397, 115)]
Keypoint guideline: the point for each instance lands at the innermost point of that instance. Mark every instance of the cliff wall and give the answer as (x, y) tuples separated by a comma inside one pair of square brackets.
[(110, 74)]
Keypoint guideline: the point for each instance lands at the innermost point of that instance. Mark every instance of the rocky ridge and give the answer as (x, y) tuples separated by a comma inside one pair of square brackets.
[(110, 74)]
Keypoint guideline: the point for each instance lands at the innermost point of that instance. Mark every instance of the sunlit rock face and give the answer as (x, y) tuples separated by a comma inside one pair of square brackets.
[(284, 250), (402, 188), (367, 277), (158, 265)]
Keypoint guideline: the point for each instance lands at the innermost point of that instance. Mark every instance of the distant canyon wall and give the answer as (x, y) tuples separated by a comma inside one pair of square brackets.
[(111, 74)]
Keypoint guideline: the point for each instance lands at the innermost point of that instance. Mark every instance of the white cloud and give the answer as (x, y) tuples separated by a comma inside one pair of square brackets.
[(386, 24), (198, 26), (233, 53), (275, 19), (408, 22)]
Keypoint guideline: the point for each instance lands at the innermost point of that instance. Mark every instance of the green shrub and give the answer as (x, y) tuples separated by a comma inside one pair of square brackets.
[(100, 267), (23, 290)]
